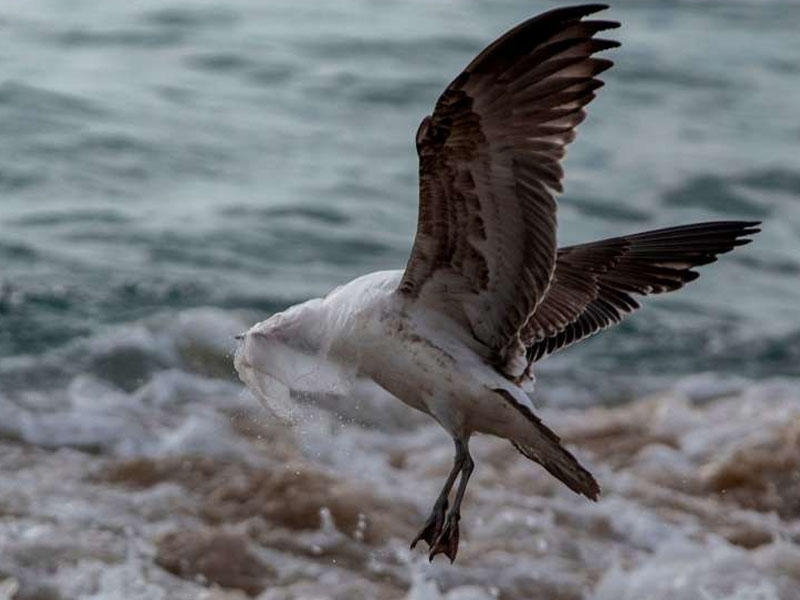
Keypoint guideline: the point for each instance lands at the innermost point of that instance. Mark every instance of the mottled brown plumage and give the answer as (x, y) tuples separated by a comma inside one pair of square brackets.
[(485, 249), (489, 157)]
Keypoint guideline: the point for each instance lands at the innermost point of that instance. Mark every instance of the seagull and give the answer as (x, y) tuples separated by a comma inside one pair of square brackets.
[(486, 292)]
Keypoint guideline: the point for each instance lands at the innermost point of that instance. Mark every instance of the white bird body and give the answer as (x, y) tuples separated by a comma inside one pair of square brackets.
[(417, 354)]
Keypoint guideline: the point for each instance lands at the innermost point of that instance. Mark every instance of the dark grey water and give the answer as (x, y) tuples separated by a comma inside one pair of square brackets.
[(246, 155)]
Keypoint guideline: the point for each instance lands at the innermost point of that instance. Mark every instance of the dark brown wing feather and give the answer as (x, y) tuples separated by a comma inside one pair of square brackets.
[(490, 154), (594, 284)]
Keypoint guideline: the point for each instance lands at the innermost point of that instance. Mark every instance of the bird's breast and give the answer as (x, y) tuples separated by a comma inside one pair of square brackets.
[(412, 359)]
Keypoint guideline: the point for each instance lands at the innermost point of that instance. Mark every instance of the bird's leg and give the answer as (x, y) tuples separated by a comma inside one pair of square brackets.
[(433, 526), (447, 540)]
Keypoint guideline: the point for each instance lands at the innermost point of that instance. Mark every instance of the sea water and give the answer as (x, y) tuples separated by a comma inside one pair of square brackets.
[(171, 173)]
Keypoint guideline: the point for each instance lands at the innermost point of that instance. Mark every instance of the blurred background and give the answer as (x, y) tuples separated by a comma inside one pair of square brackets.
[(171, 172)]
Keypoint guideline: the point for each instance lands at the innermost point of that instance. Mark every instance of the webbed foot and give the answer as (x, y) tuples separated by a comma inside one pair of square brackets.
[(447, 542)]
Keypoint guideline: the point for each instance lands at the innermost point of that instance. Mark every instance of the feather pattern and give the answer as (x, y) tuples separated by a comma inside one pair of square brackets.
[(489, 162), (594, 284)]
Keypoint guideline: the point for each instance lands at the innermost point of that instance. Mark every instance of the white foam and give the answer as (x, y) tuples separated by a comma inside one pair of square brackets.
[(684, 570)]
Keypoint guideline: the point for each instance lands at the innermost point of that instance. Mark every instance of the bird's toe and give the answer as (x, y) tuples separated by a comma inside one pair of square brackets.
[(433, 526), (447, 541)]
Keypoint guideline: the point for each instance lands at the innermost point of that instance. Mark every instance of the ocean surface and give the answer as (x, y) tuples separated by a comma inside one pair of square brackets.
[(171, 172)]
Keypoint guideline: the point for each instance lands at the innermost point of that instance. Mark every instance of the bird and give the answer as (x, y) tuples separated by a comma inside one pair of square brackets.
[(486, 291)]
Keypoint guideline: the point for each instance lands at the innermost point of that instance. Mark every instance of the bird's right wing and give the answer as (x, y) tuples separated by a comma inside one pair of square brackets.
[(594, 284), (489, 160)]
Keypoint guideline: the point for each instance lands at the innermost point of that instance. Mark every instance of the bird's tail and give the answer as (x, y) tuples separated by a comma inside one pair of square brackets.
[(544, 447)]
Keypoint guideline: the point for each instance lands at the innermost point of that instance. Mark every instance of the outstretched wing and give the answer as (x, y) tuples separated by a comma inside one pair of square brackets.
[(594, 284), (485, 247)]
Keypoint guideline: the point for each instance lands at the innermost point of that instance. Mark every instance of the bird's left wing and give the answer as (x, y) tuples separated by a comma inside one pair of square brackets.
[(595, 284), (489, 156)]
